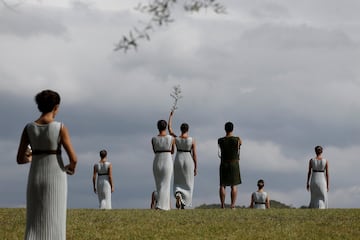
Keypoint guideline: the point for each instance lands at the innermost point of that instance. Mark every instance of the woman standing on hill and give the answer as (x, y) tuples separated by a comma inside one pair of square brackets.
[(319, 184), (46, 195), (104, 184), (185, 165), (163, 147)]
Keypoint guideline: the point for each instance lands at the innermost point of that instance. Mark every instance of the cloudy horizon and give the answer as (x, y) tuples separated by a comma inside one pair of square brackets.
[(286, 73)]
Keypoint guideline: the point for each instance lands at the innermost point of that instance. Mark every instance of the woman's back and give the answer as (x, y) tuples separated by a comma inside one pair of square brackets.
[(259, 200), (102, 168), (46, 215)]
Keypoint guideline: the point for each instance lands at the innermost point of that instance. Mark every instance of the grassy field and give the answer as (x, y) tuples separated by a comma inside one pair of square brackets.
[(89, 224)]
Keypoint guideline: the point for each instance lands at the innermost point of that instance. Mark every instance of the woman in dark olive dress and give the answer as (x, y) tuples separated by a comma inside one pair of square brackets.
[(229, 153)]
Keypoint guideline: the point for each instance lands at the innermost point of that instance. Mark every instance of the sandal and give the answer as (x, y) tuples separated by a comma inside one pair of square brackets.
[(178, 200)]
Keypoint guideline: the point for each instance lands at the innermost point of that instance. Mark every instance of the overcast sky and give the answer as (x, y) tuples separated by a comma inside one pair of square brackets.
[(285, 72)]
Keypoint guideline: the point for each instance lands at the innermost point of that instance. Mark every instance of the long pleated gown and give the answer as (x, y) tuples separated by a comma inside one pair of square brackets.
[(184, 170), (103, 186), (162, 170), (47, 185), (318, 187)]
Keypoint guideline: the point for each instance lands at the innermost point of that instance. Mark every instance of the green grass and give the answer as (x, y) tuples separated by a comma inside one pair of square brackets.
[(88, 224)]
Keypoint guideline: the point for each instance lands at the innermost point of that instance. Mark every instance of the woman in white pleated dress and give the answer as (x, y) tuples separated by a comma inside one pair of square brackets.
[(102, 181), (260, 199), (185, 165), (319, 185), (163, 147), (46, 198)]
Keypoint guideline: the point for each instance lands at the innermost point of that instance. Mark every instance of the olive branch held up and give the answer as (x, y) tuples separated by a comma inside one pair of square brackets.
[(176, 95)]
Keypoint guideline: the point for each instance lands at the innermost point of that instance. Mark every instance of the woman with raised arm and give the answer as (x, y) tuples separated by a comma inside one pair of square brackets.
[(102, 181), (46, 196), (185, 165), (163, 147), (319, 184)]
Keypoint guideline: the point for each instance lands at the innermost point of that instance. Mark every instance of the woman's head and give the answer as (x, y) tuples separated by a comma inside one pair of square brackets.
[(103, 153), (318, 150), (161, 125), (229, 127), (47, 100), (184, 128), (260, 184)]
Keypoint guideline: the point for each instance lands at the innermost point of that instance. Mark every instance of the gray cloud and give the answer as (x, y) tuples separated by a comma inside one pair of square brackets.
[(296, 37), (30, 22)]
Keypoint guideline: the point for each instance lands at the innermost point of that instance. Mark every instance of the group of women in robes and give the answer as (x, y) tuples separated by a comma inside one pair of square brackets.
[(46, 199), (317, 184), (184, 167)]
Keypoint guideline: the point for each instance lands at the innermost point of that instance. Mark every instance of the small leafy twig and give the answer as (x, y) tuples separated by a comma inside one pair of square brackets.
[(176, 95), (160, 12), (196, 6), (12, 7)]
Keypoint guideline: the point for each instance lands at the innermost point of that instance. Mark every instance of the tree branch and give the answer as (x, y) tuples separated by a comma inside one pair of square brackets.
[(160, 12)]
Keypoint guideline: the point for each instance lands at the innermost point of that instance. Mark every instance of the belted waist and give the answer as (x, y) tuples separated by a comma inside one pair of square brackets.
[(318, 171), (229, 161), (162, 151), (260, 203), (182, 150), (38, 152), (103, 174)]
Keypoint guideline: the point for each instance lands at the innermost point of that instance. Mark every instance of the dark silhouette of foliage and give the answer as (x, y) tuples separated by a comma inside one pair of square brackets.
[(214, 205), (11, 6), (160, 12), (276, 204), (273, 204)]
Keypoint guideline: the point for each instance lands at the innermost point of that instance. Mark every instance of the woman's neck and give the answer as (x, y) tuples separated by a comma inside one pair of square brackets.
[(163, 133), (184, 135), (46, 118)]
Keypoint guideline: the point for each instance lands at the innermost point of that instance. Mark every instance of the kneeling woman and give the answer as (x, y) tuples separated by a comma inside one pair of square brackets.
[(260, 198)]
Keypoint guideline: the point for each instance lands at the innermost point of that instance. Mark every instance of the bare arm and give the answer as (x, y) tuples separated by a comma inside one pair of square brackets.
[(267, 201), (22, 155), (94, 178), (172, 146), (66, 142), (327, 174), (308, 176), (239, 143), (171, 132), (252, 201), (194, 156), (152, 144), (111, 178), (219, 152)]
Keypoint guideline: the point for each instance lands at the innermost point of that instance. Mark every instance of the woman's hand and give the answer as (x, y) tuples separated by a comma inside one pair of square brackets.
[(70, 168)]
